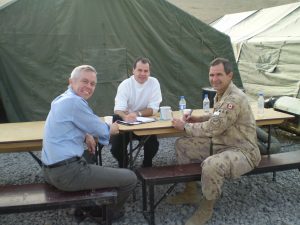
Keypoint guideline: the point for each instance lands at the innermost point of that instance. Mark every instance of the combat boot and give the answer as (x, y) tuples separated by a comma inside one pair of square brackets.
[(190, 195), (203, 213)]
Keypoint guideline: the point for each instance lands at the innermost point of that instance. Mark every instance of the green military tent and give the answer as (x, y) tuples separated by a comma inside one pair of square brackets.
[(42, 41)]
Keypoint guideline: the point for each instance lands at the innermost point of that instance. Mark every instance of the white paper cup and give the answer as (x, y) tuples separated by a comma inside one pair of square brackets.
[(166, 113)]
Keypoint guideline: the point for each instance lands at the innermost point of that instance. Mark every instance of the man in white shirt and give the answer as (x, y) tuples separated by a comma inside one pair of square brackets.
[(138, 95)]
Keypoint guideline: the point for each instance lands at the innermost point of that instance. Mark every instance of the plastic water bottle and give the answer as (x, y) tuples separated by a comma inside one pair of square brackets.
[(206, 104), (260, 104), (182, 104)]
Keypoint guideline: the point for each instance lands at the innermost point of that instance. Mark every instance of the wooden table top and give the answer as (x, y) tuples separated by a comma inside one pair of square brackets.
[(23, 136), (270, 117), (26, 136), (23, 131)]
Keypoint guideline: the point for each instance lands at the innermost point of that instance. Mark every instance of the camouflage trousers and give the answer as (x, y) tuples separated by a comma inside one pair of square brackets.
[(227, 164)]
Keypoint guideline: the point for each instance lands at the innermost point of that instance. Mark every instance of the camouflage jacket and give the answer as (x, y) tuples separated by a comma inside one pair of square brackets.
[(231, 126)]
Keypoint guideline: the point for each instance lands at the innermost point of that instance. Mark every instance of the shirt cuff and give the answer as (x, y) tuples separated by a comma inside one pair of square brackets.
[(188, 129)]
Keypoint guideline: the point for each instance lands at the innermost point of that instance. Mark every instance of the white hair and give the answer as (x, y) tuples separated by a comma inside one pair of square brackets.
[(77, 70)]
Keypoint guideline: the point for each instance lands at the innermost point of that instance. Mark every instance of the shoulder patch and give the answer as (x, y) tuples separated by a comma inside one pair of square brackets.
[(230, 106)]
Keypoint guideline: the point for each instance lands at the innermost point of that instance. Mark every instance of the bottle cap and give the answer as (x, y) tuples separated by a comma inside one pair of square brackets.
[(206, 96)]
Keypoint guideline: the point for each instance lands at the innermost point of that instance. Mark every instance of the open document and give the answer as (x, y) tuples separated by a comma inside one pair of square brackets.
[(139, 120)]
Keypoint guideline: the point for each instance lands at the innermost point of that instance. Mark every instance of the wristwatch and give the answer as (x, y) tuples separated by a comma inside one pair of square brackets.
[(139, 113)]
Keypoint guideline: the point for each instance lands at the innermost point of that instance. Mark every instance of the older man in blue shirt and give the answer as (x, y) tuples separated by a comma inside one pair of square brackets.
[(70, 125)]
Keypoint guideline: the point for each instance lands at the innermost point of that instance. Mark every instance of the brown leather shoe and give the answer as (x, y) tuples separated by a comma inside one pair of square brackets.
[(96, 214), (118, 215), (80, 215), (101, 220)]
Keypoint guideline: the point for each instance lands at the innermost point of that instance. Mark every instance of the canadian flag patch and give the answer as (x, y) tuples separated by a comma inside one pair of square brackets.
[(230, 106)]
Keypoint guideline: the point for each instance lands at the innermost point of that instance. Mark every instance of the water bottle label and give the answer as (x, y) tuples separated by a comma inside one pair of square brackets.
[(182, 107), (206, 109), (206, 105), (260, 105)]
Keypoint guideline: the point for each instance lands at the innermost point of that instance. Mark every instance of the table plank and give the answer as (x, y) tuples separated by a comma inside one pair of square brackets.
[(270, 117), (21, 137), (23, 131)]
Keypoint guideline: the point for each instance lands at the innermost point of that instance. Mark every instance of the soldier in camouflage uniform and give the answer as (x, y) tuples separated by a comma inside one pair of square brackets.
[(225, 141)]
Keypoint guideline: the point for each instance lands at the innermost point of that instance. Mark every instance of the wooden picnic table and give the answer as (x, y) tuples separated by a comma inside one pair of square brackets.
[(28, 136), (159, 127)]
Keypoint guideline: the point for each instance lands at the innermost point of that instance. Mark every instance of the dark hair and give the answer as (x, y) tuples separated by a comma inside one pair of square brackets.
[(227, 65), (142, 60)]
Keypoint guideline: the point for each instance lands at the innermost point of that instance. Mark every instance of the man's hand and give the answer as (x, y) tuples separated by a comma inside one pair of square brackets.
[(192, 119), (186, 117), (90, 143), (178, 124), (131, 117), (114, 128)]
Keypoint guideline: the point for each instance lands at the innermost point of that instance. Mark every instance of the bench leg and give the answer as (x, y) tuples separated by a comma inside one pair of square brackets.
[(151, 203), (98, 154), (144, 195), (36, 159), (108, 214), (167, 193)]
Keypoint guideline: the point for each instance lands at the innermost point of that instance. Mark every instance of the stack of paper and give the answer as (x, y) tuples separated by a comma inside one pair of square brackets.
[(145, 119), (139, 120)]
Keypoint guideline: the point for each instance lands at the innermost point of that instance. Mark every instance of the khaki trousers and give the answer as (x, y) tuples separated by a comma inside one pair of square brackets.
[(228, 164)]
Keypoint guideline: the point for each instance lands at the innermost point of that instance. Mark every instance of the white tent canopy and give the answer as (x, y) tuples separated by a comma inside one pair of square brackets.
[(225, 23), (266, 44)]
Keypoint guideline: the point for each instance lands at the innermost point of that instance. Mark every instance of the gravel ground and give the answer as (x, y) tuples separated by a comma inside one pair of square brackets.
[(250, 200)]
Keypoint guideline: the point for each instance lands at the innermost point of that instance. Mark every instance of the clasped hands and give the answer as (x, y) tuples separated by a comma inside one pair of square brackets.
[(91, 141), (186, 118)]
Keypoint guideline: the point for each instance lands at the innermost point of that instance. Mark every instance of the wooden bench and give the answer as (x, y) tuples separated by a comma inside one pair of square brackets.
[(38, 197), (173, 174)]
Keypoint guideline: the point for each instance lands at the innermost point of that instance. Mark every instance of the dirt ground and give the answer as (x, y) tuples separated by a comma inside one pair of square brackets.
[(210, 10)]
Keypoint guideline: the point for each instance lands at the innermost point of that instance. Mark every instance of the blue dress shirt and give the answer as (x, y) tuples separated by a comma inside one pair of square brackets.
[(69, 120)]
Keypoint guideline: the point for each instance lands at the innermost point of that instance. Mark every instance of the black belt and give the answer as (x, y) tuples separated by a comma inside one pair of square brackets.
[(63, 162)]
